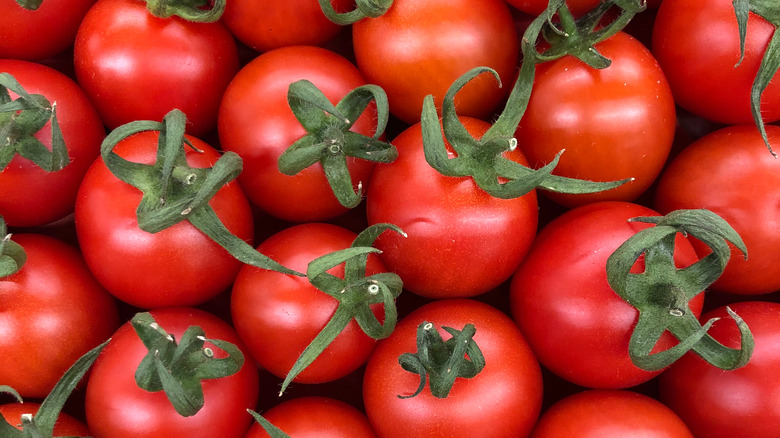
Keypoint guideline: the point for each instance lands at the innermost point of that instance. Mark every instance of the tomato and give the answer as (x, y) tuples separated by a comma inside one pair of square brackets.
[(503, 400), (32, 196), (180, 265), (116, 407), (576, 324), (536, 7), (65, 426), (730, 172), (610, 413), (739, 403), (461, 241), (135, 66), (52, 311), (315, 417), (256, 122), (697, 45), (419, 48), (575, 107)]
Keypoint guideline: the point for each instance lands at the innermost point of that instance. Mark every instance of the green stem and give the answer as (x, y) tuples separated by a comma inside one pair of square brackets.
[(12, 255), (363, 9), (191, 10)]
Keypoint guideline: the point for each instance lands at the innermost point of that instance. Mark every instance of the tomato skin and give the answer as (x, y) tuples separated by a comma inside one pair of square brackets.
[(52, 311), (181, 265), (135, 66), (278, 315), (578, 327), (315, 417), (421, 47), (739, 403), (609, 413), (31, 196), (504, 400), (697, 45), (536, 7), (256, 122), (65, 426), (730, 172), (572, 107)]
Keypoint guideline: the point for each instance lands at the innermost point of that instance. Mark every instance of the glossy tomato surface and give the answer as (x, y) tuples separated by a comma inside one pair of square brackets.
[(315, 417), (65, 426)]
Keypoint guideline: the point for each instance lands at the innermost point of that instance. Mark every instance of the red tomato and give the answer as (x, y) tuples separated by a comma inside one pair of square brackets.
[(730, 172), (576, 324), (66, 425), (736, 404), (32, 196), (610, 413), (278, 315), (503, 400), (54, 311), (135, 66), (315, 417), (419, 48), (536, 7), (461, 241), (697, 45), (614, 123), (256, 122), (116, 407), (180, 265)]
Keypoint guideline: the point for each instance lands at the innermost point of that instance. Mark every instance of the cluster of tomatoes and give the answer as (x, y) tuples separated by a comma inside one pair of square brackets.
[(243, 201)]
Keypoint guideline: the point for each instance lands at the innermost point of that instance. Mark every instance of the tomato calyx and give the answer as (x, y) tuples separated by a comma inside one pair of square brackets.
[(12, 255), (178, 368), (363, 9), (270, 428), (173, 191), (770, 63), (199, 11), (441, 362), (21, 119), (661, 293), (329, 140), (355, 293), (30, 5)]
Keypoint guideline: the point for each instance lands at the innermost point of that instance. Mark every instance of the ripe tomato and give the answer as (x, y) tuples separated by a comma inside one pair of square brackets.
[(576, 324), (730, 172), (180, 265), (66, 425), (315, 417), (52, 312), (135, 66), (614, 123), (461, 241), (536, 7), (256, 122), (419, 48), (737, 404), (31, 196), (116, 407), (503, 400)]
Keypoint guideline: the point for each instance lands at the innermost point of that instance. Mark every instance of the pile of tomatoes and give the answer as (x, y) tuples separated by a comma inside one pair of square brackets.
[(520, 282)]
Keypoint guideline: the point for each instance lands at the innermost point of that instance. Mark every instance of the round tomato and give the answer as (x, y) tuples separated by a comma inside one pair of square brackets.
[(315, 417), (461, 241), (256, 122), (419, 48), (181, 265), (731, 173), (614, 123), (503, 400), (117, 407), (536, 7), (135, 66), (576, 324), (65, 426), (53, 312)]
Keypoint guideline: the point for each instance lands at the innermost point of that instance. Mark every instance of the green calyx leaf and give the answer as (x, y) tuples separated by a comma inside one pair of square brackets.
[(770, 63), (661, 293), (21, 119), (200, 11), (173, 191), (12, 255), (356, 293), (363, 9), (270, 429), (440, 362), (30, 5), (329, 140), (178, 368)]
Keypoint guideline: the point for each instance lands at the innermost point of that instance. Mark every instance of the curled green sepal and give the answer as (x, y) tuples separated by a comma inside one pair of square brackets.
[(661, 293), (12, 255), (329, 140), (21, 119), (30, 5), (363, 9), (770, 63), (268, 427), (355, 294), (174, 191), (41, 425), (200, 11), (440, 362), (178, 368)]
